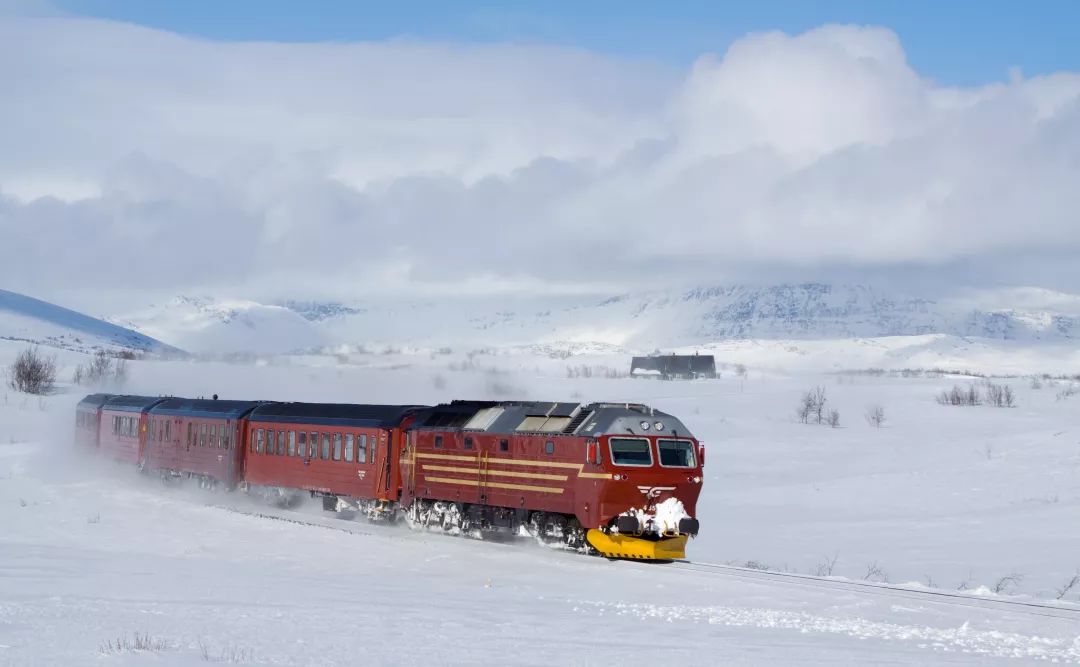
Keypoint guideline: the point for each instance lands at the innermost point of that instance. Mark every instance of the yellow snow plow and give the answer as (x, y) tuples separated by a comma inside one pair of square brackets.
[(614, 545)]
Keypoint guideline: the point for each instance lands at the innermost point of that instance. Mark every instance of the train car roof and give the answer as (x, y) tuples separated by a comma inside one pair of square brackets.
[(95, 400), (550, 418), (206, 408), (131, 403), (334, 414)]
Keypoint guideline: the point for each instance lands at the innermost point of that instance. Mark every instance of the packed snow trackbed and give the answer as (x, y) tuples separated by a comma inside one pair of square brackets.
[(100, 566)]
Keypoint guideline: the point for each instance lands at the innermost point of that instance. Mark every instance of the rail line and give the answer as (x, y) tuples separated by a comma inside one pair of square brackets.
[(884, 589), (894, 591)]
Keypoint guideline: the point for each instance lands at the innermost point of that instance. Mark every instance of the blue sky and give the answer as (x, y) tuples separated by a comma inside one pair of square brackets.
[(954, 42)]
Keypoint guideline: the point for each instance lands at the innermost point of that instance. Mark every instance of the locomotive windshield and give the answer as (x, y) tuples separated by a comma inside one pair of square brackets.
[(630, 452), (676, 453)]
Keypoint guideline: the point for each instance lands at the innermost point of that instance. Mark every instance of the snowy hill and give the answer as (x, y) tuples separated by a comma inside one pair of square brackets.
[(210, 326), (695, 317), (25, 318)]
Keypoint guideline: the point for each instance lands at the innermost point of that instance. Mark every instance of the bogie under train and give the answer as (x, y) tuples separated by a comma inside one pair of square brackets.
[(618, 478)]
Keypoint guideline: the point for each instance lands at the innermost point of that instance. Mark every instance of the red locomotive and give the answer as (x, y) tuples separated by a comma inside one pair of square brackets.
[(620, 478)]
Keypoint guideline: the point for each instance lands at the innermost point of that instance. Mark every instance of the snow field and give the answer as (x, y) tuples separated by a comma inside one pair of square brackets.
[(90, 553)]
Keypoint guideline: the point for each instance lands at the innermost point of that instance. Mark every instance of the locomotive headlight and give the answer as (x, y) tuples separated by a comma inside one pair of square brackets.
[(644, 426), (659, 426)]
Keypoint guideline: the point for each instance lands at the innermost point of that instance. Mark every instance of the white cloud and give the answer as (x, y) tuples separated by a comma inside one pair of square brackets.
[(340, 168)]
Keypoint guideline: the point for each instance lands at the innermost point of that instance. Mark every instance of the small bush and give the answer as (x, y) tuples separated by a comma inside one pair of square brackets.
[(143, 642), (960, 396), (875, 416), (1008, 583), (812, 406), (103, 369), (32, 372), (834, 418)]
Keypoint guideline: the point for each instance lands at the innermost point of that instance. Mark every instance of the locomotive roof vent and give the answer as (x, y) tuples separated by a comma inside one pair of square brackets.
[(544, 424), (484, 418)]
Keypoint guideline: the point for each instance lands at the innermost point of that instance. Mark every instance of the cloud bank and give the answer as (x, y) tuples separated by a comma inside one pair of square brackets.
[(138, 157)]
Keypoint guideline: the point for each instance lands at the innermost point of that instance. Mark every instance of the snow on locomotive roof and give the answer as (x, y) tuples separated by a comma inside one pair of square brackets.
[(551, 417), (200, 407), (95, 400), (131, 403), (333, 414)]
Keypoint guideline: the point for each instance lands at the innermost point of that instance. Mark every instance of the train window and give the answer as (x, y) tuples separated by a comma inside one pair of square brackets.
[(468, 443), (348, 446), (281, 443), (313, 445), (188, 441), (337, 446), (202, 435), (301, 444), (325, 453), (251, 445), (258, 441), (438, 442), (361, 449), (630, 451), (676, 453), (549, 447), (504, 445), (292, 443), (168, 429), (225, 433)]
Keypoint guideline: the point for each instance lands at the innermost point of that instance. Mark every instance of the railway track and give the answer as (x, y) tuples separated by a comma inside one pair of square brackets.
[(892, 591)]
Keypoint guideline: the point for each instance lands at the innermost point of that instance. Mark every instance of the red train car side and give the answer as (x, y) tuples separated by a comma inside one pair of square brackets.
[(345, 453), (88, 420), (198, 438), (122, 428)]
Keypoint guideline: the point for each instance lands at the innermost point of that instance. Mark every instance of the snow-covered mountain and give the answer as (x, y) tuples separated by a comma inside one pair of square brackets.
[(24, 318), (663, 318), (217, 326)]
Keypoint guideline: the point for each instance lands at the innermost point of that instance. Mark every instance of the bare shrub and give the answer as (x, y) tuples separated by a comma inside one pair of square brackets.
[(141, 642), (32, 372), (740, 370), (1000, 395), (812, 406), (103, 368), (875, 573), (1008, 583), (825, 568), (1067, 392), (960, 396), (834, 418), (875, 416), (1036, 383), (1068, 586)]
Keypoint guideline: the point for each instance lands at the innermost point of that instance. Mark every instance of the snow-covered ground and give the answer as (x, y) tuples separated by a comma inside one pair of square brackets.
[(950, 497)]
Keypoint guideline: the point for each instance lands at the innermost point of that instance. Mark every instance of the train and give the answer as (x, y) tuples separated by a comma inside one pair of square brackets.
[(621, 480)]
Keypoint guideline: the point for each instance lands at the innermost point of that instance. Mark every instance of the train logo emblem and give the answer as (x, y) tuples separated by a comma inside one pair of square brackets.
[(654, 491), (360, 473)]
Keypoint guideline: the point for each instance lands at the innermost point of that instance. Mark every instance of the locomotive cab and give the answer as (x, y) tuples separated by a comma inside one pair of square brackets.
[(647, 509)]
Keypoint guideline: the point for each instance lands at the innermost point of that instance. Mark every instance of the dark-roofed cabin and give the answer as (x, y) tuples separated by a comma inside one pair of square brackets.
[(674, 366)]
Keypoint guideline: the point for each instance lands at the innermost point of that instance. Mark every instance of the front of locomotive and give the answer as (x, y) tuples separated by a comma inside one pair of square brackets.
[(647, 508)]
